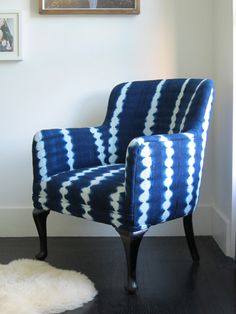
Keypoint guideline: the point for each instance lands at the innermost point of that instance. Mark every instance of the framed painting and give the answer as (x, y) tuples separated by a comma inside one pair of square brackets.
[(10, 35), (89, 6)]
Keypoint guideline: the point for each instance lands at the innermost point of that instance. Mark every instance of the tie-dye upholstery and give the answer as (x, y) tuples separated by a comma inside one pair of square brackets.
[(142, 167)]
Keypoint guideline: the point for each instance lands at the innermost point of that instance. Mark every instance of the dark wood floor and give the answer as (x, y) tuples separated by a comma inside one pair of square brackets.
[(169, 282)]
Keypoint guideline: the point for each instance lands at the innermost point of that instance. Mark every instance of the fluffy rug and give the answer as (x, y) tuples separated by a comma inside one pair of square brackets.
[(34, 287)]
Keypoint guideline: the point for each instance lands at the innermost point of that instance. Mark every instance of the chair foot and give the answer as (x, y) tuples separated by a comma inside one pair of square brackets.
[(188, 228), (131, 287), (131, 242), (40, 219)]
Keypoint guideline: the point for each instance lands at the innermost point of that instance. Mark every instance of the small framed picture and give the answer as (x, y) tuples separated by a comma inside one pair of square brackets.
[(89, 6), (10, 35)]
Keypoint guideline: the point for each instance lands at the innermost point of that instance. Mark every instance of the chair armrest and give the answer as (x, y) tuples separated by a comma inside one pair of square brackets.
[(163, 175), (59, 150)]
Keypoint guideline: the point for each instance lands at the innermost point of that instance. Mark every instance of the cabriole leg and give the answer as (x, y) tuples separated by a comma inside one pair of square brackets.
[(40, 219), (188, 228), (131, 242)]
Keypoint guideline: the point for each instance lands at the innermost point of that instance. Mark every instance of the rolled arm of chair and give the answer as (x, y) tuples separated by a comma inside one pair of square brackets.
[(163, 175), (59, 150)]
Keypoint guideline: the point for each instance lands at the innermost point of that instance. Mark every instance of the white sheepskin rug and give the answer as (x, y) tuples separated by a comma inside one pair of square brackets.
[(35, 287)]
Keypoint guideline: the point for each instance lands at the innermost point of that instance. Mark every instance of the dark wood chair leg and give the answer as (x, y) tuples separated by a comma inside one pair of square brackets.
[(188, 228), (131, 242), (40, 219)]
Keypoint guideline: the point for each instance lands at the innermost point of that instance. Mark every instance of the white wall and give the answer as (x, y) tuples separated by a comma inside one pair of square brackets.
[(233, 219), (223, 124), (70, 65)]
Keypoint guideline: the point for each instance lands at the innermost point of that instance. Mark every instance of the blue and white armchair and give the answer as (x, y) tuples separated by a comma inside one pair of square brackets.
[(141, 167)]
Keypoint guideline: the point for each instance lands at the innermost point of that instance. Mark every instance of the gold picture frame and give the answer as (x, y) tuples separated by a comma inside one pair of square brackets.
[(89, 6)]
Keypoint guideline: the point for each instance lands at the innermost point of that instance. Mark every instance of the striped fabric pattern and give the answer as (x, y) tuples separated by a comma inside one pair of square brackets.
[(141, 167)]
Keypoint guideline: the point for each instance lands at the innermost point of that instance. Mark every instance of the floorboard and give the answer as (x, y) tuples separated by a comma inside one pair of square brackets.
[(169, 283)]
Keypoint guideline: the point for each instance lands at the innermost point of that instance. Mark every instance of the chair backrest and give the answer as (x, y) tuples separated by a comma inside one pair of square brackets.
[(154, 107)]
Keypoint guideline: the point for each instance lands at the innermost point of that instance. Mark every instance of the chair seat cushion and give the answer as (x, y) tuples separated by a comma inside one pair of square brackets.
[(95, 193)]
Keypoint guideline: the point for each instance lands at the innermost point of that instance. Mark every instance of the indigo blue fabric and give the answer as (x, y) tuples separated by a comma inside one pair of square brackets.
[(142, 167)]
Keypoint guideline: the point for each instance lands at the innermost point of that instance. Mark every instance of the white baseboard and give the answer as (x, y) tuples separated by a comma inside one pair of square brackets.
[(221, 231), (18, 222)]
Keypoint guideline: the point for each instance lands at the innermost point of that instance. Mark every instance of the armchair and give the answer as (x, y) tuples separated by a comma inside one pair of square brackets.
[(142, 167)]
